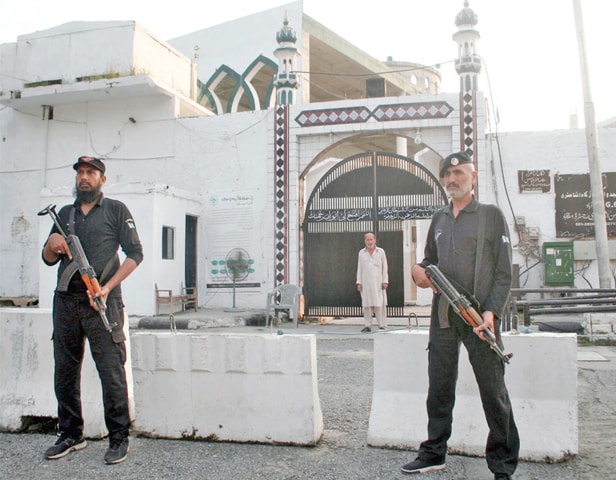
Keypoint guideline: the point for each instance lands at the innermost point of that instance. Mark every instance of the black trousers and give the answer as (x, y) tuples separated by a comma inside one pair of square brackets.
[(73, 321), (503, 443)]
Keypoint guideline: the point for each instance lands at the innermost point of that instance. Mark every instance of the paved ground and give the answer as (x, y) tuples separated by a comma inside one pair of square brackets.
[(345, 389)]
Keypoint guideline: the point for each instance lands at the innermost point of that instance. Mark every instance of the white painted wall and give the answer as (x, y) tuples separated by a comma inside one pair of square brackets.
[(561, 152)]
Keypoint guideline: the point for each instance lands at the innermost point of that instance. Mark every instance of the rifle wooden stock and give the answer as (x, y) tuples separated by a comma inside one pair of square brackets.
[(464, 308), (88, 275), (472, 317), (94, 289)]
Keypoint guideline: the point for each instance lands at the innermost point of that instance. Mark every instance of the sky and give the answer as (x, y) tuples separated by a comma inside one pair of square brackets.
[(531, 75)]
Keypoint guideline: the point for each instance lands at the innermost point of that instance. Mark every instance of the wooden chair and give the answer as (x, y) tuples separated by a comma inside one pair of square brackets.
[(283, 297), (186, 299), (163, 297), (189, 298)]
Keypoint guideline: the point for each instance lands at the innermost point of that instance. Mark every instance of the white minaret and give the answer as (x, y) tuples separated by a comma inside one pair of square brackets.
[(468, 66), (286, 80), (468, 63)]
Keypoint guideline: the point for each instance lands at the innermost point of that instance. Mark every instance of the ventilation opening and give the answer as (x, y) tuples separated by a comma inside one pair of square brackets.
[(92, 78), (43, 83)]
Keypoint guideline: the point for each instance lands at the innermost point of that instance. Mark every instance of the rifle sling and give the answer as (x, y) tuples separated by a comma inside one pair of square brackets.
[(481, 238)]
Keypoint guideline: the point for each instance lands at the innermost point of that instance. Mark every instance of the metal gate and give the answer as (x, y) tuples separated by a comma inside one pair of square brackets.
[(367, 192)]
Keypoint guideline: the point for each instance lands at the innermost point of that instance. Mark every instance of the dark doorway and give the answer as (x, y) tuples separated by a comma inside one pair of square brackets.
[(331, 273), (190, 252)]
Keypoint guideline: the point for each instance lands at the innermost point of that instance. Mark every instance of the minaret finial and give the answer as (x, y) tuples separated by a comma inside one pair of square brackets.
[(286, 79)]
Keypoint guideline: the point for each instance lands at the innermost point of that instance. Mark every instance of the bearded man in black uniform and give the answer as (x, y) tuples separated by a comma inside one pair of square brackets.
[(469, 242), (103, 226)]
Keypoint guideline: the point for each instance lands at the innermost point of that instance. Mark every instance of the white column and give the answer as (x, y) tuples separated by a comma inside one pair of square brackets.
[(401, 146)]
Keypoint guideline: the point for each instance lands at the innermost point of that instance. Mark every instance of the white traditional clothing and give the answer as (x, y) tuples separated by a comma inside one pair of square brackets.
[(372, 273)]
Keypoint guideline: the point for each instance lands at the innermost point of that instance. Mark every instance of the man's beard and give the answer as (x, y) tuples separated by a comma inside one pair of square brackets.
[(87, 196), (460, 192)]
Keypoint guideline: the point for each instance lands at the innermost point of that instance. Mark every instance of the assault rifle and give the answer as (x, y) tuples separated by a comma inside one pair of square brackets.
[(88, 275), (463, 307)]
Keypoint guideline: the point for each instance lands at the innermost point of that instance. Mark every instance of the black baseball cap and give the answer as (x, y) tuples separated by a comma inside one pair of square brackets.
[(92, 161), (453, 160)]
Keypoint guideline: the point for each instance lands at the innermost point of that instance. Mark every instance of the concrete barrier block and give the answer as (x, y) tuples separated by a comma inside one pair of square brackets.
[(542, 384), (26, 366), (27, 370), (228, 387)]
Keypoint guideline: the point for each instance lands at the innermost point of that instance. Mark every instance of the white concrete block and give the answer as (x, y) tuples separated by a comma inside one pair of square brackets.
[(542, 384), (228, 387), (27, 370), (26, 366)]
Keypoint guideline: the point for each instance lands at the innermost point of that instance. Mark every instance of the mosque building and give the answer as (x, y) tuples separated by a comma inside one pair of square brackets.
[(279, 150)]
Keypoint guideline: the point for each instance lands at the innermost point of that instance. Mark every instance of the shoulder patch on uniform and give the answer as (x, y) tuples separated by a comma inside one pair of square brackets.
[(130, 223), (505, 239)]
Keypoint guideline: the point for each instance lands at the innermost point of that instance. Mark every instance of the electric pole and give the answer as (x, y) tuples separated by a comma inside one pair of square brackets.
[(596, 183)]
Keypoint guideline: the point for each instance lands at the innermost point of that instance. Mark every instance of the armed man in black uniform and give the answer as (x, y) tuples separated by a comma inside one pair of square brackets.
[(103, 226), (469, 243)]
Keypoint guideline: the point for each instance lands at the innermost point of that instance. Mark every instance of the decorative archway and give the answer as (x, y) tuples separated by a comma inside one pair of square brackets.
[(373, 191)]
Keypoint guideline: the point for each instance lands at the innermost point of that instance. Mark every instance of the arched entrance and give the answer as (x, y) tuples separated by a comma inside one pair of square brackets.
[(373, 191)]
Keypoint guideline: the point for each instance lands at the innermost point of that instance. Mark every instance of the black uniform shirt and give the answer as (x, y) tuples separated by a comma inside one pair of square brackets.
[(451, 244), (107, 226), (455, 239)]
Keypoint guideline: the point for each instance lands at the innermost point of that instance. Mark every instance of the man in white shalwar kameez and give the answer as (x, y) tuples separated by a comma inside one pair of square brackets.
[(372, 281)]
